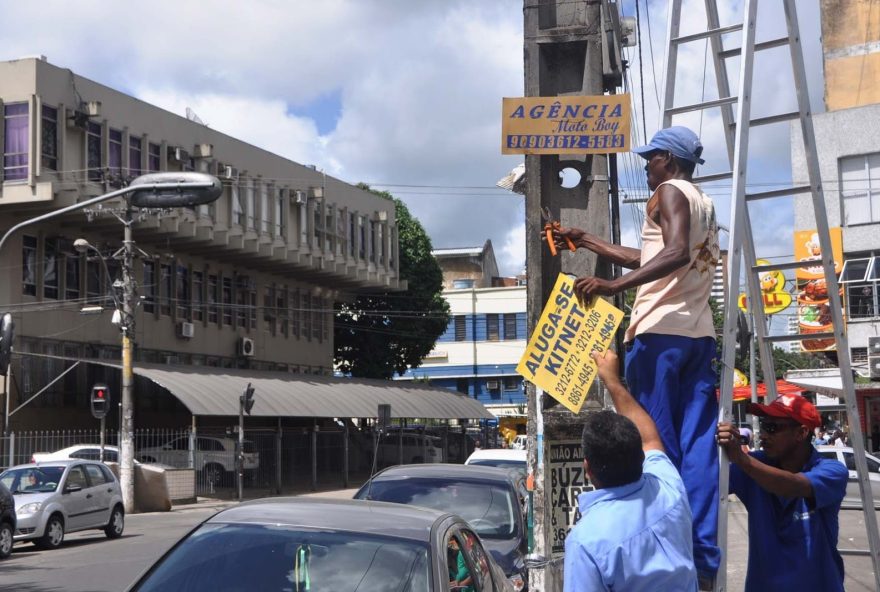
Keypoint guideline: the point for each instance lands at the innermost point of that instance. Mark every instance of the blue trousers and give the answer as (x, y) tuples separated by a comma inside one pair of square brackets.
[(672, 377)]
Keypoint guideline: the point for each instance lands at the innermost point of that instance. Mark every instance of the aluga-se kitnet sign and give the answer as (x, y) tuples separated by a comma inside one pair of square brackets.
[(565, 125)]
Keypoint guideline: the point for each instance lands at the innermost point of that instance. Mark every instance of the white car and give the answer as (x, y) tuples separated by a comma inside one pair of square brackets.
[(845, 455), (521, 442), (499, 457), (81, 451), (62, 496), (213, 457)]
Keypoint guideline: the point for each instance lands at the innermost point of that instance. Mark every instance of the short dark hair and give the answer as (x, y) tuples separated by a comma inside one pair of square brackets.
[(684, 165), (613, 448)]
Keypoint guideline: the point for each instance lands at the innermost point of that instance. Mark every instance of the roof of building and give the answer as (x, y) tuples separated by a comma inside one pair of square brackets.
[(466, 251), (205, 390)]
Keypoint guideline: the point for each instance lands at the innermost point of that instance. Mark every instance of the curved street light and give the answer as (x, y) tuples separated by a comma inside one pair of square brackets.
[(153, 190)]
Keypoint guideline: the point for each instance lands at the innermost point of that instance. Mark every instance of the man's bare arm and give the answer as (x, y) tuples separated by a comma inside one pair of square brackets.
[(624, 256), (771, 479), (675, 223), (624, 402)]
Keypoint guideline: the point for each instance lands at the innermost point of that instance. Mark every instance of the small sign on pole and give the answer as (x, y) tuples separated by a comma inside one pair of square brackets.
[(557, 358), (575, 124)]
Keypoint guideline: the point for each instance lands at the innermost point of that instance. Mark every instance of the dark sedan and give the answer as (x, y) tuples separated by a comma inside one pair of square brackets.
[(324, 545), (7, 521), (490, 499)]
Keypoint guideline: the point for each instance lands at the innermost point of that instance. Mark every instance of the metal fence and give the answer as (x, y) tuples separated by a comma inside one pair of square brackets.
[(274, 461)]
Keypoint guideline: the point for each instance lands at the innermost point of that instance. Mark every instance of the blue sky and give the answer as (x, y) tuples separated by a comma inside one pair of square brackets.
[(402, 94)]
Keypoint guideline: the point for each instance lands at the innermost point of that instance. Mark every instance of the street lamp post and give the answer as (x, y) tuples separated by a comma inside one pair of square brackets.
[(153, 190)]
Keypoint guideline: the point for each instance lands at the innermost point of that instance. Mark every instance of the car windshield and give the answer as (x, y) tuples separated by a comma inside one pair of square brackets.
[(23, 480), (489, 509), (240, 557)]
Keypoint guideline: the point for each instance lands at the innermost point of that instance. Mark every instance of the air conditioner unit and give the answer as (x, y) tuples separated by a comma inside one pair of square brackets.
[(299, 197), (203, 150), (492, 385), (317, 192), (177, 154), (93, 108), (874, 357), (186, 330), (246, 347)]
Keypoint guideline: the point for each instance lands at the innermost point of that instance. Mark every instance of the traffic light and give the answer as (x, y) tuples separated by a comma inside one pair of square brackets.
[(247, 399), (6, 330), (100, 401)]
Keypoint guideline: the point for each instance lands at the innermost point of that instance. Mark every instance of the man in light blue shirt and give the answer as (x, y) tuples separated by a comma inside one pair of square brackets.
[(635, 530)]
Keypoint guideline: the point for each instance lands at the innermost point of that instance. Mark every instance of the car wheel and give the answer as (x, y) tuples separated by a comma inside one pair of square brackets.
[(5, 540), (53, 535), (114, 528), (214, 473)]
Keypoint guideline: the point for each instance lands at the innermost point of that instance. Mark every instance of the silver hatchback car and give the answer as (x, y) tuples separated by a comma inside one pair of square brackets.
[(57, 497)]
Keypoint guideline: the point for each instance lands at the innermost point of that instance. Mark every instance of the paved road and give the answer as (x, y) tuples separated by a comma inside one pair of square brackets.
[(88, 562)]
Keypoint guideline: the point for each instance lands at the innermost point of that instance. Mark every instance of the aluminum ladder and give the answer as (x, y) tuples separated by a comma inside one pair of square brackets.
[(737, 125)]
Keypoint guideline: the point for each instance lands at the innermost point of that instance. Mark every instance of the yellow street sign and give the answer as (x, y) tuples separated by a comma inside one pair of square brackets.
[(557, 358)]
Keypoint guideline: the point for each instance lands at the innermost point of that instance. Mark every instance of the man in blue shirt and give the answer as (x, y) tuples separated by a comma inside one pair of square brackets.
[(793, 498), (635, 531)]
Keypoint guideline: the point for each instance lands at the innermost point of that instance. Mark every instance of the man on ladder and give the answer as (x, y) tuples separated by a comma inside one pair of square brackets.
[(671, 338)]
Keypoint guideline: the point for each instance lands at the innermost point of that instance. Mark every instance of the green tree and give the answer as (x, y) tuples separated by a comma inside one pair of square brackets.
[(383, 333)]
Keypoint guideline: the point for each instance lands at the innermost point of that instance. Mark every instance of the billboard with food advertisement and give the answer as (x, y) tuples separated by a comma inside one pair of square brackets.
[(814, 311)]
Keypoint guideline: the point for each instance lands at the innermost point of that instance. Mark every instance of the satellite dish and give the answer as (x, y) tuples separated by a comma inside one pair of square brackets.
[(174, 190), (191, 115)]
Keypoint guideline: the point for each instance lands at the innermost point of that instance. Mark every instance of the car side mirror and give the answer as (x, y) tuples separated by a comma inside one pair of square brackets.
[(72, 488)]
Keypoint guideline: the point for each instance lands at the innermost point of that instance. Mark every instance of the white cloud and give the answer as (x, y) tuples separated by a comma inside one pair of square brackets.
[(420, 84)]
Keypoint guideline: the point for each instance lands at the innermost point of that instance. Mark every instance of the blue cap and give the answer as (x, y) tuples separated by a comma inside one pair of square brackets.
[(678, 140)]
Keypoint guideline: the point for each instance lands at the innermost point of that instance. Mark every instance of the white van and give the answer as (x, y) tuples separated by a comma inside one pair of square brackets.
[(417, 448)]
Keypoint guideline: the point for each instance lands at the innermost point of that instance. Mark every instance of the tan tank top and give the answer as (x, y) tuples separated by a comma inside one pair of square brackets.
[(678, 304)]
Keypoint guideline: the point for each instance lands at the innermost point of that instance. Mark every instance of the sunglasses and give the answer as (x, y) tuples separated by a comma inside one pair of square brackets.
[(771, 427)]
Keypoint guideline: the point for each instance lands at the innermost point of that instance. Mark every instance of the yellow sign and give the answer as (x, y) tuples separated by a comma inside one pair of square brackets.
[(557, 358), (574, 124), (776, 297), (814, 307)]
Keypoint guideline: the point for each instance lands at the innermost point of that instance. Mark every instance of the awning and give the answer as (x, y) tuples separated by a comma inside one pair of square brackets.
[(744, 393), (213, 391)]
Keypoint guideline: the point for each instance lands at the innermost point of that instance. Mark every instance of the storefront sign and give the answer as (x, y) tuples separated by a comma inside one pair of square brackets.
[(567, 481), (814, 311), (776, 298), (557, 358), (565, 125)]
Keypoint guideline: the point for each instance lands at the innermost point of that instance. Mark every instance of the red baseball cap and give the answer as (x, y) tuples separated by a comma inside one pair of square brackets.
[(789, 407)]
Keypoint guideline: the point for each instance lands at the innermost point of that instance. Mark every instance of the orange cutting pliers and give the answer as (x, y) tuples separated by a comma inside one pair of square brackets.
[(549, 226)]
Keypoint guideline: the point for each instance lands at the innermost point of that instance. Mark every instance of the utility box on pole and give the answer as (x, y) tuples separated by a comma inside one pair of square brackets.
[(570, 49)]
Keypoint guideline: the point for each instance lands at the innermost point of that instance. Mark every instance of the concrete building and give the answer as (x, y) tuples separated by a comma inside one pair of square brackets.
[(848, 145), (248, 282), (486, 336), (473, 267)]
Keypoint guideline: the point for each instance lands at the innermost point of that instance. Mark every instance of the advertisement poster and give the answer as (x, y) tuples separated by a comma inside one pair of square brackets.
[(557, 358), (574, 124), (813, 310), (567, 481), (773, 291)]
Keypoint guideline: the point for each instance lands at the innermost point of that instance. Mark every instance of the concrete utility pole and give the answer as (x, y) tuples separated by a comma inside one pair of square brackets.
[(565, 49)]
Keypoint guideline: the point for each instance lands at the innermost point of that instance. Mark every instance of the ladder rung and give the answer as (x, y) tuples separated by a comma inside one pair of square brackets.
[(782, 266), (801, 336), (729, 53), (855, 552), (772, 119), (709, 33), (713, 177), (796, 190), (702, 106)]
